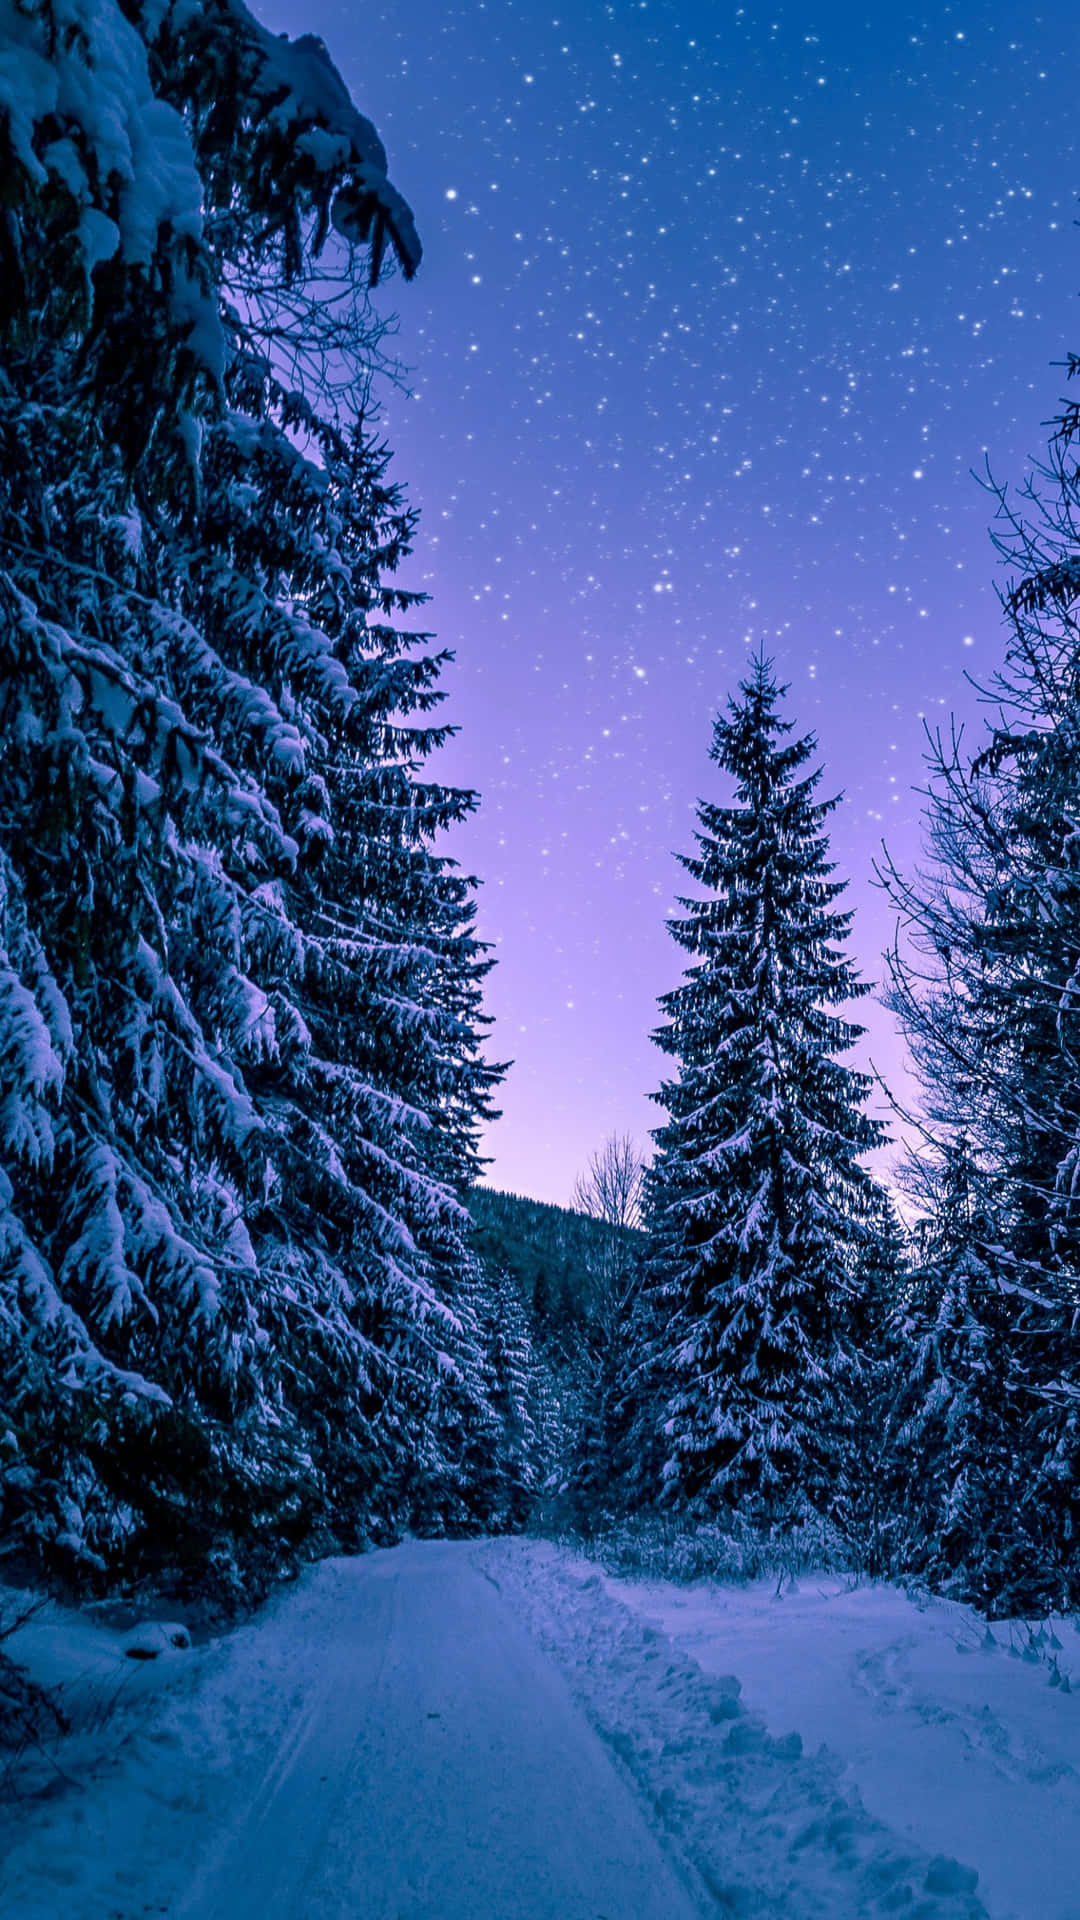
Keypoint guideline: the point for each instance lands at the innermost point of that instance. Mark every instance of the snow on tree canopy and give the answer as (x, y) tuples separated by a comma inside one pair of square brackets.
[(757, 1201), (81, 116), (303, 90), (240, 1079)]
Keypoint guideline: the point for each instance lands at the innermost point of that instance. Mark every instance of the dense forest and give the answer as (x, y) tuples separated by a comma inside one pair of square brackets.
[(254, 1304)]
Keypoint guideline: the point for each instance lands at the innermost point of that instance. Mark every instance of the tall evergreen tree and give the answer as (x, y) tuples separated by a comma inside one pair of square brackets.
[(240, 1078), (954, 1472), (757, 1202), (985, 985), (516, 1395), (864, 1506)]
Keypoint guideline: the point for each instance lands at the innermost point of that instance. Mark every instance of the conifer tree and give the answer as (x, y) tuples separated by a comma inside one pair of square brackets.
[(948, 1419), (865, 1504), (515, 1392), (967, 1510), (985, 985), (461, 1451), (758, 1205), (240, 1078)]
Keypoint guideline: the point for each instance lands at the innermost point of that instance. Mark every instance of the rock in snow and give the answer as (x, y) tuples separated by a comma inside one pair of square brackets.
[(152, 1637)]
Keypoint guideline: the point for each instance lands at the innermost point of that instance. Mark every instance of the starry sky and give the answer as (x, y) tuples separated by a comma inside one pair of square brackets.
[(723, 311)]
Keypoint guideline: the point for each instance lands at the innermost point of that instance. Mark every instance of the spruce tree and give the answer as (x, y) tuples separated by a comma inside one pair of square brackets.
[(758, 1205), (865, 1506), (953, 1465), (985, 985), (240, 1078), (515, 1398)]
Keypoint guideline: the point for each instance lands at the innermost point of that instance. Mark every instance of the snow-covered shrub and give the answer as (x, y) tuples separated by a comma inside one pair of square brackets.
[(29, 1712), (668, 1547)]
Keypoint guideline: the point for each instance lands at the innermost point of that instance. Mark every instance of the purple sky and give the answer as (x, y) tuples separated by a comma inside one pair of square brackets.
[(720, 307)]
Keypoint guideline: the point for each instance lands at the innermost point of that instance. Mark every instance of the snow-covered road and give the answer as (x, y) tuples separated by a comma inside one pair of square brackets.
[(434, 1764), (386, 1743), (445, 1730)]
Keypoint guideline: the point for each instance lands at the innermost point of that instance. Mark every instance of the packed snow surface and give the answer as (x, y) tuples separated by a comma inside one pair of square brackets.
[(963, 1736), (497, 1730)]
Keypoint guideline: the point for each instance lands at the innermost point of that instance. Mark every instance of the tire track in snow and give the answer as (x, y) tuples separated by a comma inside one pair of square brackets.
[(386, 1741)]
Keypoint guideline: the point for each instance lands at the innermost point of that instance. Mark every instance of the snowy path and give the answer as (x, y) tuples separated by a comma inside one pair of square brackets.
[(387, 1744), (466, 1729), (437, 1767)]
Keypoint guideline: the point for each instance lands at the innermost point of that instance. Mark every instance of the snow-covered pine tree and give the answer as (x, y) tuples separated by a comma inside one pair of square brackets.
[(455, 1477), (239, 1062), (953, 1477), (986, 989), (516, 1393), (757, 1202), (865, 1507)]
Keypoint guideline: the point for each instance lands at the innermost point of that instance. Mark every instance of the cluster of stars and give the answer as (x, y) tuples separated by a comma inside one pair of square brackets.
[(717, 318)]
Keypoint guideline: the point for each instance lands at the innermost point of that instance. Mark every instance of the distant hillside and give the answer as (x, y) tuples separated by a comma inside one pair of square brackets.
[(550, 1252)]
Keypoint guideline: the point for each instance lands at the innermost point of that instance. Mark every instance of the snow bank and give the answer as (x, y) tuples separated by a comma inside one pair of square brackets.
[(964, 1738), (769, 1829), (126, 1794), (93, 1672)]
